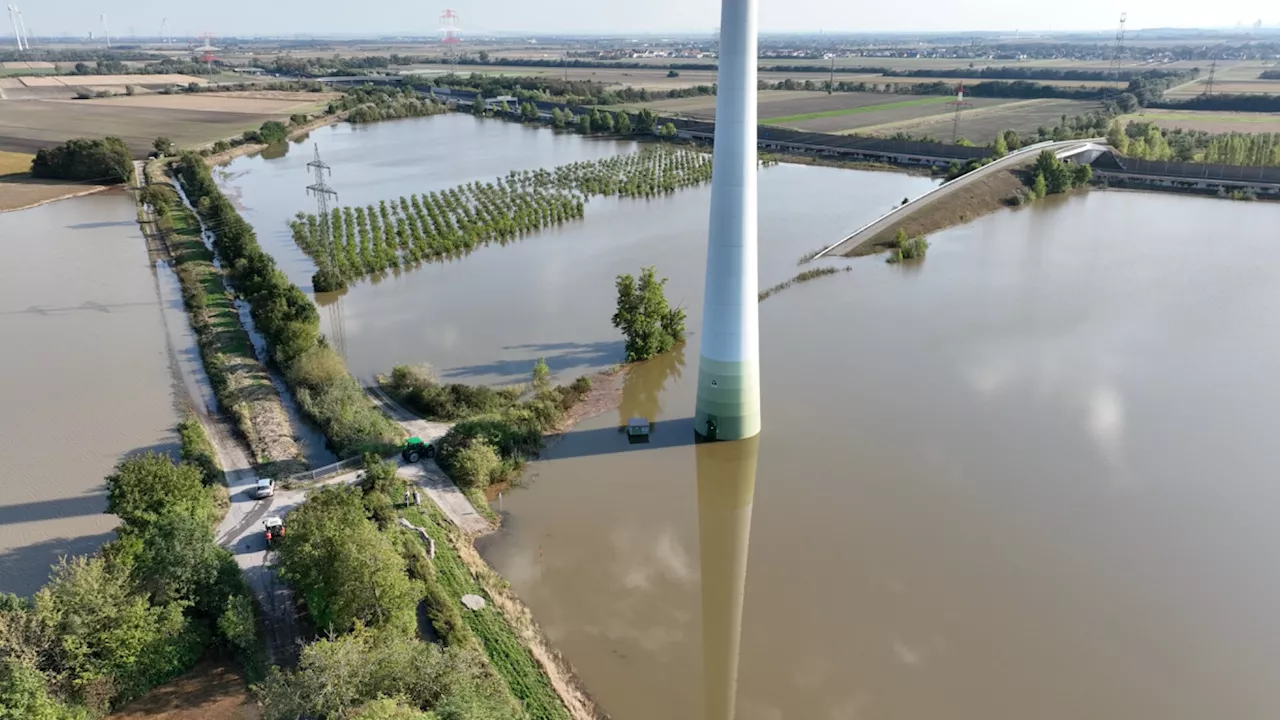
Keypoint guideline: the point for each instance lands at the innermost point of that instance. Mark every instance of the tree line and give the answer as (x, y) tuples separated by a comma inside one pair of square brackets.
[(144, 609), (288, 320), (106, 161), (1147, 141), (374, 104), (553, 89), (360, 576)]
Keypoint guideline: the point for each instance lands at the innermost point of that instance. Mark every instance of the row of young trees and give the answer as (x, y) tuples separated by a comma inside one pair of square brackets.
[(290, 323), (355, 242), (108, 627)]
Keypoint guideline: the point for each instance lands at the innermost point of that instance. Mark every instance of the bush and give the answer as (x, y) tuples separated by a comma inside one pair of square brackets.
[(905, 248), (475, 464), (273, 132), (101, 161), (197, 450), (145, 487)]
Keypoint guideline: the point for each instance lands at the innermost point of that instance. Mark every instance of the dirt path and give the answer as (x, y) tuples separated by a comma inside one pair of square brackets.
[(426, 474)]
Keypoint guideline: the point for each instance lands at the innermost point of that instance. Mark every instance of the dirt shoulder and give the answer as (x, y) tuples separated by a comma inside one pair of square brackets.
[(22, 192), (210, 691), (968, 202)]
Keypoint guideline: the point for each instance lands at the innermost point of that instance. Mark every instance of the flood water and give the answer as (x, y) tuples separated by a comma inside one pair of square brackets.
[(85, 375), (1028, 477), (488, 317), (1032, 476)]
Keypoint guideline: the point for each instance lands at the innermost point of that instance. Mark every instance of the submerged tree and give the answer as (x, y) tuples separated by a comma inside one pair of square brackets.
[(648, 323)]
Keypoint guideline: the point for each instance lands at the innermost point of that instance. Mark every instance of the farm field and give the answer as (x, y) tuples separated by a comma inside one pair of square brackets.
[(28, 125), (980, 124), (1210, 121), (893, 109)]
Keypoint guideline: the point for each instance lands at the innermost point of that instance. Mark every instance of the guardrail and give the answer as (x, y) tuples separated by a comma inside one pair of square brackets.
[(1020, 152), (328, 471)]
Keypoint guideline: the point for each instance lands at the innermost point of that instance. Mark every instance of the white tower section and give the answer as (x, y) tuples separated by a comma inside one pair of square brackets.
[(728, 405)]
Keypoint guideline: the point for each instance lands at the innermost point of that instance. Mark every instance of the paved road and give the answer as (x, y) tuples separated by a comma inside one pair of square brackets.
[(889, 219), (426, 474)]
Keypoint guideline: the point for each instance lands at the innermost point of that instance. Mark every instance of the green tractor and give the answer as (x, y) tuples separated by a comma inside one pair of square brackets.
[(416, 448)]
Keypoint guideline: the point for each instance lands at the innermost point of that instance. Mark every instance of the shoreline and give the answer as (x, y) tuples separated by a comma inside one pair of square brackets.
[(65, 196), (227, 156)]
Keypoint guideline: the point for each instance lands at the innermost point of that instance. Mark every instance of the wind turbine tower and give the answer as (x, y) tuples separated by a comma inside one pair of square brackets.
[(728, 403), (22, 25), (15, 17), (105, 33)]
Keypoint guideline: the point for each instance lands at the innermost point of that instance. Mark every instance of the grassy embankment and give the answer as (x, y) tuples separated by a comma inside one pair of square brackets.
[(289, 321), (240, 381), (507, 634)]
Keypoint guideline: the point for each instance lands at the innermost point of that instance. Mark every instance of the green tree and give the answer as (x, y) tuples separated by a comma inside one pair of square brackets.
[(346, 571), (541, 374), (558, 119), (606, 122), (1039, 187), (101, 161), (111, 641), (668, 131), (623, 123), (649, 325), (584, 124), (1117, 138), (1081, 175), (1056, 175), (529, 112), (24, 695), (646, 121), (338, 677), (380, 477), (474, 465), (238, 624), (272, 132), (1000, 147), (177, 560), (162, 145), (147, 486), (477, 105), (673, 74)]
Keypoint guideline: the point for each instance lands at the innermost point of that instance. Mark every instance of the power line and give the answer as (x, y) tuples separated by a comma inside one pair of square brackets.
[(1118, 53)]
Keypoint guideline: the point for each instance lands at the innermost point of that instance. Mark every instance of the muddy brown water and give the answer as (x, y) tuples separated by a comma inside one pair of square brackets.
[(489, 316), (85, 375), (1028, 477), (1033, 476)]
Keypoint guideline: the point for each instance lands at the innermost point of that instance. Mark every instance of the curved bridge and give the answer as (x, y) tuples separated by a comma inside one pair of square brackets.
[(1077, 151)]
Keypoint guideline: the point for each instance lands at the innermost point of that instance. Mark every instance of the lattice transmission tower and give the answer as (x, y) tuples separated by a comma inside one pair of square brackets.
[(1117, 54), (323, 192)]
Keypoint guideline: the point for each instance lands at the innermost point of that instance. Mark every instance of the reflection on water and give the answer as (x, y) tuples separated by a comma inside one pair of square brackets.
[(1031, 479), (726, 490), (643, 385), (85, 375), (488, 316)]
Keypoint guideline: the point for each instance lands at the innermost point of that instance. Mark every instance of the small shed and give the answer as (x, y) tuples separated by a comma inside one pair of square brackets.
[(638, 430)]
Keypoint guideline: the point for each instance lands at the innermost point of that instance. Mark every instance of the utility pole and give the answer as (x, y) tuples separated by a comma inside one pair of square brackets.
[(831, 81)]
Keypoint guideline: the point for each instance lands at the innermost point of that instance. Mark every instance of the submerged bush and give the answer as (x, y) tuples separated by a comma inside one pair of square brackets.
[(905, 248)]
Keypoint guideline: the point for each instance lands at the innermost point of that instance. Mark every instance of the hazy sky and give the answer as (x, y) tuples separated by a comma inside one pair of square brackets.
[(274, 17)]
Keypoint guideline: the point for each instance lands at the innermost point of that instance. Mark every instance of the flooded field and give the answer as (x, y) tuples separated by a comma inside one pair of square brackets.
[(86, 380), (1028, 477), (491, 315)]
